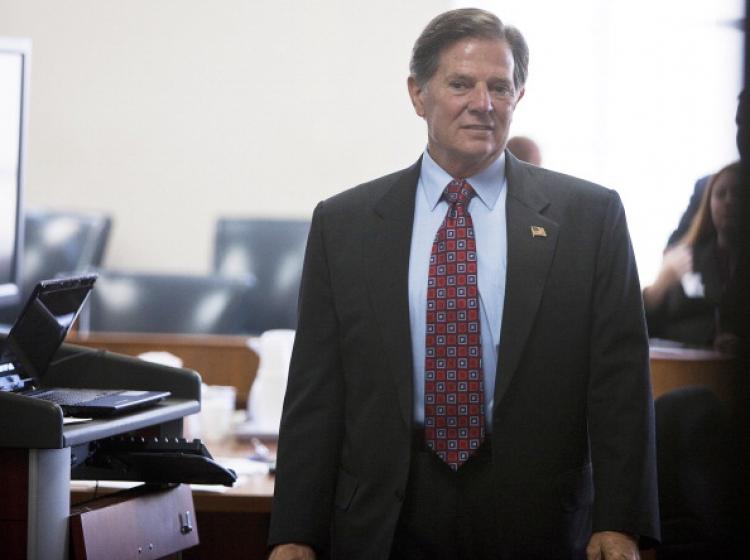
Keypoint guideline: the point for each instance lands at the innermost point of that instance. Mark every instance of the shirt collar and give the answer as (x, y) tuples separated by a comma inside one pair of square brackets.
[(488, 183)]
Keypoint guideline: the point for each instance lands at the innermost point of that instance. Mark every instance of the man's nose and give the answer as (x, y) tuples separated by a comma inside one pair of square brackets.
[(480, 100)]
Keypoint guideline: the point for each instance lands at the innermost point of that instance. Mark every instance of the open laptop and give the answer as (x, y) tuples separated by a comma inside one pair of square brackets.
[(36, 336)]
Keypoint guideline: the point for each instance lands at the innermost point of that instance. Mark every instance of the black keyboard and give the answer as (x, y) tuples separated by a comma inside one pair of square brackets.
[(154, 460), (132, 444), (71, 397)]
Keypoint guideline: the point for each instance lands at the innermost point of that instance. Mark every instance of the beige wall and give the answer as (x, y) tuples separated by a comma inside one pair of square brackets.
[(169, 113)]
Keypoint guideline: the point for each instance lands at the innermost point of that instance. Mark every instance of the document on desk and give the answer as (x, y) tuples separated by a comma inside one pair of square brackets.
[(243, 466), (67, 420), (126, 484)]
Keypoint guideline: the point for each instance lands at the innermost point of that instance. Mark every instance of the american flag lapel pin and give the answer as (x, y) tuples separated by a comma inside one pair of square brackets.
[(538, 231)]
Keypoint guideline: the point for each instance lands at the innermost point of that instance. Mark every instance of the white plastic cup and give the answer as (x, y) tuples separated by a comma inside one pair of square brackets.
[(217, 411), (266, 398)]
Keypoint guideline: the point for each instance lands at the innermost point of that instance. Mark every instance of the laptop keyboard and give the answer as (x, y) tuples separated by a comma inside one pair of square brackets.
[(72, 396)]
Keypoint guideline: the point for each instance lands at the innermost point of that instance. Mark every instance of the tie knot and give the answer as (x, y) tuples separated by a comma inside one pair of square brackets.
[(458, 191)]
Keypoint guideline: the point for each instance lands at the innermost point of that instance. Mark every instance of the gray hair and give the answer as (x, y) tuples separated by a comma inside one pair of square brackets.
[(451, 27)]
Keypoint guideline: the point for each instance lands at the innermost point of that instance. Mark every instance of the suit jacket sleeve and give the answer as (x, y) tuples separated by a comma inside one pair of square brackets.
[(311, 424), (620, 408), (692, 209)]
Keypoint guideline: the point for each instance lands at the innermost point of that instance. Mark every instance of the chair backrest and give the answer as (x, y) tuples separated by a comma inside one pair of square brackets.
[(167, 303), (693, 447), (270, 251), (57, 242)]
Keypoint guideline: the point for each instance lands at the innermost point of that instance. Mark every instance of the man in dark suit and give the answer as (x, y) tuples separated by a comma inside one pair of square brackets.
[(470, 371), (686, 219)]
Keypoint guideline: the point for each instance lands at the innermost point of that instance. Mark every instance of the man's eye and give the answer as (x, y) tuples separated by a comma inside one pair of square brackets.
[(458, 85), (503, 89)]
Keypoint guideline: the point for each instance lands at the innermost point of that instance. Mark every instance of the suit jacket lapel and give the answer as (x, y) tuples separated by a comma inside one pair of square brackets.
[(386, 253), (529, 259)]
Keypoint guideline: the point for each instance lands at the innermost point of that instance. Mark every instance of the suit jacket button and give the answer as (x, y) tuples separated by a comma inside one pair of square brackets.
[(399, 495)]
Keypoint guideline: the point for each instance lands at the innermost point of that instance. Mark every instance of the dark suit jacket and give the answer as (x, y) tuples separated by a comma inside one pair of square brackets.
[(694, 320), (572, 436), (692, 209)]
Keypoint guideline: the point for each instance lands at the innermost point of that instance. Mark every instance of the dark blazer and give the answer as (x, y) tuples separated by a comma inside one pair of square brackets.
[(572, 438), (694, 321), (692, 209)]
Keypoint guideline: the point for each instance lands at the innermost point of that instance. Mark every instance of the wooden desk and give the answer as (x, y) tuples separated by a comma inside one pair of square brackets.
[(672, 368), (228, 360), (253, 495), (219, 359)]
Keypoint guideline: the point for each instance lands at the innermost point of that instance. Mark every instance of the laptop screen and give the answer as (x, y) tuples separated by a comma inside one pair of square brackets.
[(44, 322)]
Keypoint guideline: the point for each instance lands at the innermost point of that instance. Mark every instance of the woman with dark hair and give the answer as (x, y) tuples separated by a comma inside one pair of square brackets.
[(690, 301)]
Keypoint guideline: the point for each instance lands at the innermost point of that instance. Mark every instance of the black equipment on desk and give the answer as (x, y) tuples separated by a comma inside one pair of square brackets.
[(152, 460), (35, 430), (36, 336)]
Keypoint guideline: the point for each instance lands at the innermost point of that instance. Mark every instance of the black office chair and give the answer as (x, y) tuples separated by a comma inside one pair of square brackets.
[(271, 252), (693, 447), (58, 243), (167, 303)]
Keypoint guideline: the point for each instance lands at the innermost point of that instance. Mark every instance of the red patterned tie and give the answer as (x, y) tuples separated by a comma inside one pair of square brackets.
[(454, 385)]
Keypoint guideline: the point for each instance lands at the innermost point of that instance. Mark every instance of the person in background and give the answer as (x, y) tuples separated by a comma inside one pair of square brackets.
[(525, 149), (700, 185), (690, 300), (469, 376)]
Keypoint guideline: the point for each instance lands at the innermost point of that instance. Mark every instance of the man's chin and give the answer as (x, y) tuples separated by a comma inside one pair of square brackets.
[(480, 153), (467, 159)]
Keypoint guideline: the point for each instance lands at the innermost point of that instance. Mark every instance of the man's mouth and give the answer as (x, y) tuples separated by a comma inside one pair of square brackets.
[(480, 127)]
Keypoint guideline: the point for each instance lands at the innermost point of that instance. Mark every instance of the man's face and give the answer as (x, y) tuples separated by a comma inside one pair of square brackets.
[(468, 105)]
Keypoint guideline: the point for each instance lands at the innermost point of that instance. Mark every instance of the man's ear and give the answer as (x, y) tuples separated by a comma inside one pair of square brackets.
[(520, 96), (415, 93)]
